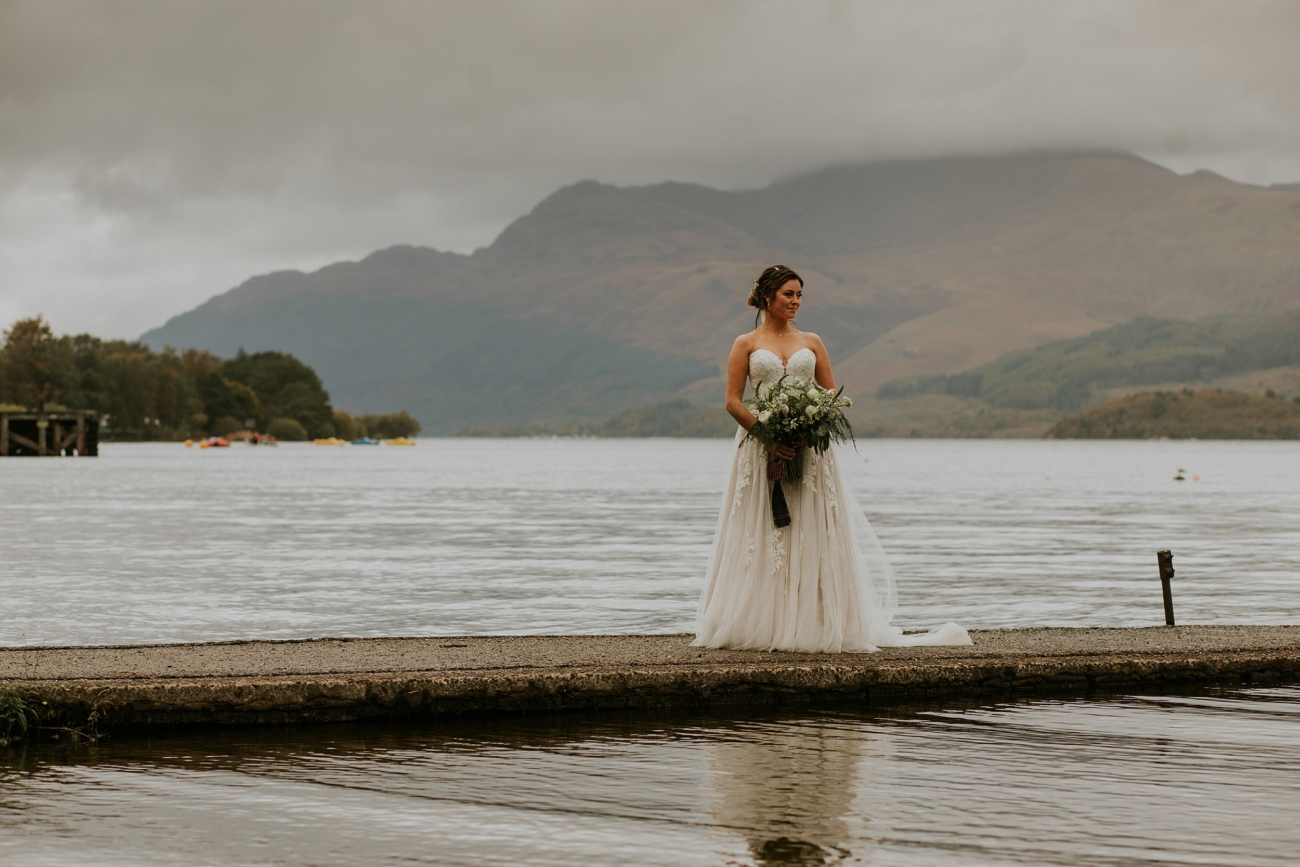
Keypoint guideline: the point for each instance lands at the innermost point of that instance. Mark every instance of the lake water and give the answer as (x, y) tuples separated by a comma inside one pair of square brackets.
[(1203, 779), (156, 542), (160, 543)]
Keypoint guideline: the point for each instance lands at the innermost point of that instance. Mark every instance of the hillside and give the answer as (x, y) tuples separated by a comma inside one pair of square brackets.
[(1215, 414), (673, 419), (1072, 374), (604, 299)]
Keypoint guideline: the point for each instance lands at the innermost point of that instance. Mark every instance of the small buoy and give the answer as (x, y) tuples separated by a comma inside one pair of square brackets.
[(189, 444), (1196, 478), (205, 445)]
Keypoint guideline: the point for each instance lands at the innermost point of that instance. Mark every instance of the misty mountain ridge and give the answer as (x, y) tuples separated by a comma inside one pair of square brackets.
[(605, 298)]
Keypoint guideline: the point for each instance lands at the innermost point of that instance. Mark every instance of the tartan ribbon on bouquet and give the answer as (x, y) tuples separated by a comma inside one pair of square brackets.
[(780, 510), (795, 412)]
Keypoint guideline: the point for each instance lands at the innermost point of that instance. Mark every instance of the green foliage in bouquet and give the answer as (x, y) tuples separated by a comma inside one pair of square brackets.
[(799, 413)]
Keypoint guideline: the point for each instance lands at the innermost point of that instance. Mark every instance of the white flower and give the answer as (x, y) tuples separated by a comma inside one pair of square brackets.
[(811, 412), (846, 401), (765, 415)]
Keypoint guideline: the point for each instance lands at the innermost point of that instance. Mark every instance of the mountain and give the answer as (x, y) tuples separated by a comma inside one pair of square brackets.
[(603, 298), (674, 419)]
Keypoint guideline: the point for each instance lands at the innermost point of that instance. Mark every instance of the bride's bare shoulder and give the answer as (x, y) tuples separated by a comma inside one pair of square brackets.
[(745, 342)]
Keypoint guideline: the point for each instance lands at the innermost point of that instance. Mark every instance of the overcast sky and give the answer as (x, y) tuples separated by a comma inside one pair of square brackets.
[(153, 154)]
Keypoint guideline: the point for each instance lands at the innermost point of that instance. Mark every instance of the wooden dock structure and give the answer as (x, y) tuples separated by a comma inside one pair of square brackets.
[(49, 434)]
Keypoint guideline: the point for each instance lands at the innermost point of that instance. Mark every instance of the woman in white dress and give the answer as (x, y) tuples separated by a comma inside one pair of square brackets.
[(822, 583)]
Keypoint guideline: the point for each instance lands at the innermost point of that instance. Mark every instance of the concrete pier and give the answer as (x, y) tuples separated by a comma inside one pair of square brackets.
[(332, 679)]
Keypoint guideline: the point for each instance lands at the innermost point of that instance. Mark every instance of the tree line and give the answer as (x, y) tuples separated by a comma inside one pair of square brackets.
[(145, 395)]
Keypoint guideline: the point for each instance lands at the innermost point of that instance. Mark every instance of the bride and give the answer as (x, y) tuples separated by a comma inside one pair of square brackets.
[(822, 583)]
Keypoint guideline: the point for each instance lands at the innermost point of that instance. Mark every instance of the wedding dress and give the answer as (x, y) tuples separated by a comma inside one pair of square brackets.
[(821, 584)]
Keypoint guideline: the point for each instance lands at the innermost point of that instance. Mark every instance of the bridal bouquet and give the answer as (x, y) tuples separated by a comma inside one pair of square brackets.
[(796, 413)]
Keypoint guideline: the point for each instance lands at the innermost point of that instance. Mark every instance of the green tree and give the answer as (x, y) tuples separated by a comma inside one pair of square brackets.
[(145, 394), (391, 426), (36, 368), (286, 387), (344, 425), (225, 398), (287, 429), (198, 363), (87, 356), (142, 394)]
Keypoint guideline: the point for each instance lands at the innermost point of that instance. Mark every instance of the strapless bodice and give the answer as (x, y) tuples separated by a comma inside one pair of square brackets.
[(765, 366)]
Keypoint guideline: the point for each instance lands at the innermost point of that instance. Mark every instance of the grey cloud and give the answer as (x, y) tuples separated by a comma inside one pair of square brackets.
[(338, 126)]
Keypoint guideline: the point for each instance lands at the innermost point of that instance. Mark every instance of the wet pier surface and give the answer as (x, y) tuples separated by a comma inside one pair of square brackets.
[(251, 682)]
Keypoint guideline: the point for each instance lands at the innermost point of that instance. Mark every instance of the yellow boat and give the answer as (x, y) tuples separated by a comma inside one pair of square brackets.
[(329, 441), (400, 441)]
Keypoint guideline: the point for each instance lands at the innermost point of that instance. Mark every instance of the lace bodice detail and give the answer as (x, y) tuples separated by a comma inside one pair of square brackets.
[(765, 366)]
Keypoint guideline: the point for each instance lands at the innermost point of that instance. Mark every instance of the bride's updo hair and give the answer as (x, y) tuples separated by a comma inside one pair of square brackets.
[(772, 279)]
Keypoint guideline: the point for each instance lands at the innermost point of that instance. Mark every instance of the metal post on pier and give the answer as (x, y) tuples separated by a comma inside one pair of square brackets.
[(1166, 561)]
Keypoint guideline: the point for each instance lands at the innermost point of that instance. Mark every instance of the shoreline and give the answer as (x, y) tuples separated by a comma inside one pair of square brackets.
[(337, 680)]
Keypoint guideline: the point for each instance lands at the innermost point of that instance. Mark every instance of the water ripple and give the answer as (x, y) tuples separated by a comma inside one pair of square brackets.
[(1210, 778), (159, 543)]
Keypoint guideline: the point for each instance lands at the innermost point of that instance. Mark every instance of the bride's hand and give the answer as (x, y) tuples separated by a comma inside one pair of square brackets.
[(783, 452)]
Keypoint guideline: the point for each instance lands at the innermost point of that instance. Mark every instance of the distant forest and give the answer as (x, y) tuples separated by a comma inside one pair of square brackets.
[(145, 395)]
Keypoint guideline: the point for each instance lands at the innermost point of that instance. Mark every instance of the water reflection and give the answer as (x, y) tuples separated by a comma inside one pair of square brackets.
[(789, 789), (1206, 778)]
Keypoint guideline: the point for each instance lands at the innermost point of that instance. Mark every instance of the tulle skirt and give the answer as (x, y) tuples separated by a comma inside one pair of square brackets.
[(821, 584)]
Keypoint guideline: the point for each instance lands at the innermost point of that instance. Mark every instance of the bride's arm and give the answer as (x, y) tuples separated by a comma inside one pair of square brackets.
[(825, 378), (737, 373)]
